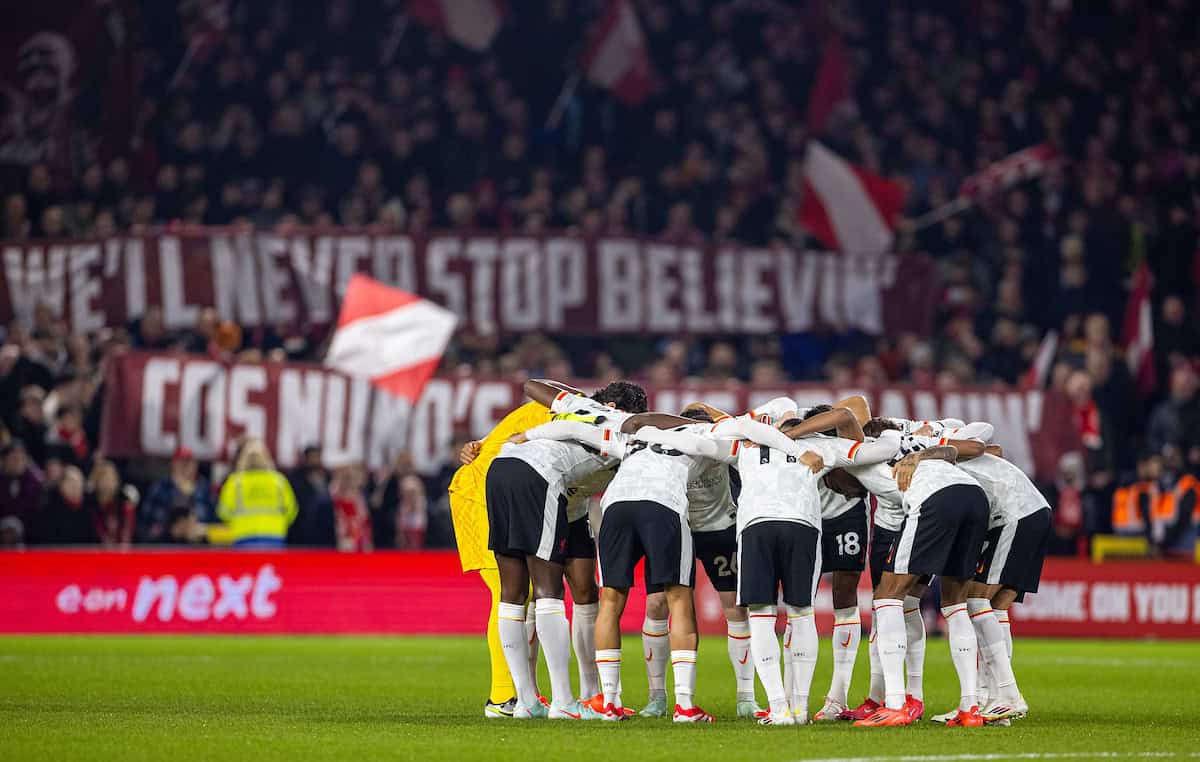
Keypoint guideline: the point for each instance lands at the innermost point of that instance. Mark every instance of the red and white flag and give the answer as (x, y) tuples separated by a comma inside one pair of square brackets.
[(390, 336), (1039, 372), (1025, 164), (831, 91), (207, 34), (616, 57), (846, 207), (1138, 333), (471, 23)]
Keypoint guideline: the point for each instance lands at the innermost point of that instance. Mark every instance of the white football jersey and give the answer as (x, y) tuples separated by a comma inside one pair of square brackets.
[(834, 504), (889, 503), (776, 486), (1011, 494), (775, 409), (931, 476), (710, 501), (566, 462), (658, 472), (577, 404), (581, 491)]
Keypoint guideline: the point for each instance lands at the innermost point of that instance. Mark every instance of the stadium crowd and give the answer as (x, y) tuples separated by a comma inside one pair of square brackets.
[(308, 115)]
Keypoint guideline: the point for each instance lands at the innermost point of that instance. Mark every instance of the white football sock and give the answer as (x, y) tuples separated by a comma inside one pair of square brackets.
[(847, 633), (738, 643), (1006, 626), (993, 649), (555, 634), (683, 665), (788, 672), (804, 647), (656, 649), (892, 643), (583, 637), (914, 657), (531, 637), (875, 692), (511, 624), (608, 664), (764, 647), (964, 651)]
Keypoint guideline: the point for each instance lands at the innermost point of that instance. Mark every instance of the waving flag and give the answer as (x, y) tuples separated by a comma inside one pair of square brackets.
[(471, 23), (1025, 164), (1138, 334), (616, 57), (390, 336), (846, 207), (831, 91)]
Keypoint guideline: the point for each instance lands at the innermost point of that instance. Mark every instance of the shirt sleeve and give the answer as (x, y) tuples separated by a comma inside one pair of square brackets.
[(876, 451), (563, 401), (759, 433), (979, 430), (775, 409), (685, 442), (584, 433)]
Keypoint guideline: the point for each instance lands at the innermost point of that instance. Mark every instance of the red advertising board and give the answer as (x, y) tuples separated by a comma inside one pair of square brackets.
[(1119, 599), (414, 593)]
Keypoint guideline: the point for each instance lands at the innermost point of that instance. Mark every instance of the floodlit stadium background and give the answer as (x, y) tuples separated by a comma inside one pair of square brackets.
[(985, 210)]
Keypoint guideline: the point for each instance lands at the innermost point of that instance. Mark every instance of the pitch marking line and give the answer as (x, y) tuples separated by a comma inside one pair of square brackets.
[(1026, 755)]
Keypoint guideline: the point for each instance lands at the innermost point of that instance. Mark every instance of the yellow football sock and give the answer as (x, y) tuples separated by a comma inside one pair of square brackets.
[(502, 685)]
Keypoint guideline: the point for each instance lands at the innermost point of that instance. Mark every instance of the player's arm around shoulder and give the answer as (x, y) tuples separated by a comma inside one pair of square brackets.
[(547, 392), (904, 470)]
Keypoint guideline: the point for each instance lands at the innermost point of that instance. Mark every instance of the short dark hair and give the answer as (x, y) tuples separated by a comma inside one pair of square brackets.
[(877, 426), (697, 414), (818, 410), (627, 396)]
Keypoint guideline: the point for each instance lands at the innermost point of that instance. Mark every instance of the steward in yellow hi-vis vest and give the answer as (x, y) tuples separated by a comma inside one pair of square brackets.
[(468, 510), (256, 501)]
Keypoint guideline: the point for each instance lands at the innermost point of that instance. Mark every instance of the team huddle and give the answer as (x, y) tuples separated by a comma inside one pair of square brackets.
[(767, 501)]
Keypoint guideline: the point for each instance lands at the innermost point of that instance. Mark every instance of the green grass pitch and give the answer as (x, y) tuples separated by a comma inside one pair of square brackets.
[(317, 698)]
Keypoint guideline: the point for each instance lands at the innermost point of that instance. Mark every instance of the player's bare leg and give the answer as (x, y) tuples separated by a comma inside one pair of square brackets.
[(847, 633), (514, 590), (554, 634), (608, 648), (656, 650), (585, 597), (684, 640)]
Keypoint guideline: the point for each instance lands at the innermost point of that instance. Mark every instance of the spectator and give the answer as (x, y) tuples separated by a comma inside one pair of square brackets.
[(256, 500), (12, 533), (350, 510), (30, 424), (1175, 422), (67, 439), (20, 484), (1175, 337), (183, 497), (111, 508), (401, 501), (1067, 496), (63, 518), (314, 525)]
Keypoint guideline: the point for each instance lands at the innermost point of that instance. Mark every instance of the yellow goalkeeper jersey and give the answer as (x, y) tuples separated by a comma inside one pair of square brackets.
[(468, 505)]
